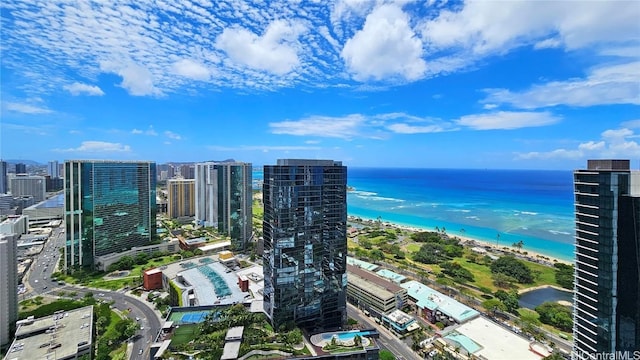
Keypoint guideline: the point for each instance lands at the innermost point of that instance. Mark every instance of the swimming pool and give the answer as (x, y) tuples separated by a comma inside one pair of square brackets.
[(345, 336)]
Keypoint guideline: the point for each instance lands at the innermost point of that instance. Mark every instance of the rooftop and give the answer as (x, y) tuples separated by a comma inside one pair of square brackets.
[(399, 317), (368, 276), (361, 264), (62, 335), (395, 277), (431, 299), (56, 201), (495, 342)]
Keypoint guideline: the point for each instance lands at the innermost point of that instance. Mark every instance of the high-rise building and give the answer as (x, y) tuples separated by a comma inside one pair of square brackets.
[(224, 198), (607, 265), (305, 243), (109, 207), (28, 185), (188, 171), (181, 199), (53, 169), (8, 286), (21, 168), (4, 185)]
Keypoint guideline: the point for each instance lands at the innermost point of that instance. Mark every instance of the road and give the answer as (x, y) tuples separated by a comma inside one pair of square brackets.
[(38, 282), (387, 340)]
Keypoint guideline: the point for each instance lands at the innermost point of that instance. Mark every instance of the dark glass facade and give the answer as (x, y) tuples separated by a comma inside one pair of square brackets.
[(305, 243), (607, 275), (110, 207)]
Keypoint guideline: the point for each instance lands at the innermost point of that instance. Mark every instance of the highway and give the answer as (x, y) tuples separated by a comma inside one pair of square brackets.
[(38, 282), (387, 340)]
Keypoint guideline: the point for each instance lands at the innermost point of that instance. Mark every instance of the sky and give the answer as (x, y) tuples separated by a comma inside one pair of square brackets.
[(430, 84)]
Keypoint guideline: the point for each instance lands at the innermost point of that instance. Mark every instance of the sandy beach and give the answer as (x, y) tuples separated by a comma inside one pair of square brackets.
[(468, 241)]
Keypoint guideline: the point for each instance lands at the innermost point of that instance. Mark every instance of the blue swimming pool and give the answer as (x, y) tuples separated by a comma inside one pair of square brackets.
[(345, 336)]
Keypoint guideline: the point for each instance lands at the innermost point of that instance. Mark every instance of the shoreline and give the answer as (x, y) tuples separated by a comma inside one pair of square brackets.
[(469, 241)]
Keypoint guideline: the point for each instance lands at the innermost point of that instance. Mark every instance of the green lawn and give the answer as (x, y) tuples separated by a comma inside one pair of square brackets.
[(184, 334), (413, 247)]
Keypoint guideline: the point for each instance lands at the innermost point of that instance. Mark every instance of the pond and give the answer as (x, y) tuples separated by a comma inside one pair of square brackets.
[(533, 298)]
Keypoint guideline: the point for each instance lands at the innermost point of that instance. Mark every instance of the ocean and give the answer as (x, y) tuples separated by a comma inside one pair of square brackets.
[(498, 206)]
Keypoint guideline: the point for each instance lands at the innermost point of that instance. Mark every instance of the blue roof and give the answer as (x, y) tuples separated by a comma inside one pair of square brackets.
[(395, 277), (361, 264), (426, 297)]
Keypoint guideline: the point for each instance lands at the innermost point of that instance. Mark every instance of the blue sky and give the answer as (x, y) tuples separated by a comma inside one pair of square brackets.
[(436, 84)]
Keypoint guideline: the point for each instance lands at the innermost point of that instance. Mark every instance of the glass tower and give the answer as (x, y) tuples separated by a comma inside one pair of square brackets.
[(607, 265), (110, 207), (305, 243), (224, 199)]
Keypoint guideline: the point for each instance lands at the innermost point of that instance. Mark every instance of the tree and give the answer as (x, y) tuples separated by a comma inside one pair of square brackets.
[(376, 255), (564, 275), (513, 267), (503, 281), (493, 305), (556, 315)]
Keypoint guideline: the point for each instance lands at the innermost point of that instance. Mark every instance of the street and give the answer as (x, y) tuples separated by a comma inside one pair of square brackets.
[(387, 340)]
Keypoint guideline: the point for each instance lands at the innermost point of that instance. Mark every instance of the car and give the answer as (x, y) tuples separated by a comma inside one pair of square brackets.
[(45, 287), (36, 280), (141, 327), (137, 318), (140, 352)]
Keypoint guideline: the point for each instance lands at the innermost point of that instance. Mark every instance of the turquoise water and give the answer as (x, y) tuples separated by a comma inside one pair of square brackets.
[(345, 336), (499, 206), (533, 298)]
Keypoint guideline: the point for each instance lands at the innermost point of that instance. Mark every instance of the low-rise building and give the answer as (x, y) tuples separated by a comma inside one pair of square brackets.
[(371, 292), (437, 307), (103, 262), (64, 335), (400, 322)]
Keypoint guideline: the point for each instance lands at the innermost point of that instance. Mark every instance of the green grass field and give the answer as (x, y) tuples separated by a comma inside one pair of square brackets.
[(184, 334)]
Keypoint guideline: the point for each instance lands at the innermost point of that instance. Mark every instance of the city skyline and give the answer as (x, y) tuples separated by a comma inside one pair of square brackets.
[(373, 83)]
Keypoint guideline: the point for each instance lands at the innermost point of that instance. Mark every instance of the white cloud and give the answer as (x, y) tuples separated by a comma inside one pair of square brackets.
[(323, 126), (612, 84), (136, 79), (275, 51), (97, 147), (494, 26), (150, 131), (412, 129), (385, 47), (26, 108), (172, 135), (264, 148), (548, 44), (83, 89), (631, 124), (191, 69), (507, 120), (615, 143)]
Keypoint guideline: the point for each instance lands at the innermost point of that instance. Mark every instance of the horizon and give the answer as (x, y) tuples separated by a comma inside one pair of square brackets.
[(436, 84)]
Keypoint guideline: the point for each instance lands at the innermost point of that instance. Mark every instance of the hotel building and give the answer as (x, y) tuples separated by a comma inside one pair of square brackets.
[(305, 243), (28, 185), (224, 198), (181, 199), (8, 286), (606, 316), (109, 207)]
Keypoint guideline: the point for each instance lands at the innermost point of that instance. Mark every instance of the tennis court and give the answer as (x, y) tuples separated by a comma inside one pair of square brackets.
[(191, 317)]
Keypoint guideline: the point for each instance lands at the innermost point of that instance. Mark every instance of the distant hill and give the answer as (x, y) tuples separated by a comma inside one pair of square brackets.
[(26, 162)]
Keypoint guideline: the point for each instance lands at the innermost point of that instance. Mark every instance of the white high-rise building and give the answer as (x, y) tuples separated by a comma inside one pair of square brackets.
[(53, 169), (29, 185), (223, 199), (8, 286)]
